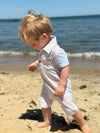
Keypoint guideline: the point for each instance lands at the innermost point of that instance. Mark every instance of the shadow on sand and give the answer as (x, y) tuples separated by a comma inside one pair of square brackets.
[(58, 122)]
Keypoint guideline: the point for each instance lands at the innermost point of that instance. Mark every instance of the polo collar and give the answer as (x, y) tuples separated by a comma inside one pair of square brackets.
[(50, 45)]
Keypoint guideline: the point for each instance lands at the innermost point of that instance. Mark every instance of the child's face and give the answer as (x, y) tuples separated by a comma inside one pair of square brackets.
[(37, 44)]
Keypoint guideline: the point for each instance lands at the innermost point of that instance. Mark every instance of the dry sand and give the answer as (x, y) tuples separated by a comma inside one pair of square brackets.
[(19, 106)]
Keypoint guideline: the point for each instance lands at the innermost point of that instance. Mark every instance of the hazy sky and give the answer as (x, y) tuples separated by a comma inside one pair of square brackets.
[(50, 8)]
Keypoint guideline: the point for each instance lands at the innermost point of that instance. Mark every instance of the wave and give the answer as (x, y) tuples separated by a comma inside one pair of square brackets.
[(83, 55), (16, 53)]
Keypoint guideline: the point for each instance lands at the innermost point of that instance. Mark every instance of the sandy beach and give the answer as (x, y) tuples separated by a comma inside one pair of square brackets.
[(19, 101)]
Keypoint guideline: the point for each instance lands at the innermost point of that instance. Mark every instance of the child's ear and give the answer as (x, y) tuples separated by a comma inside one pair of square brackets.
[(44, 36)]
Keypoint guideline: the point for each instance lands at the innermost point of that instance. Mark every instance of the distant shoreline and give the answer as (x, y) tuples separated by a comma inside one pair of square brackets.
[(76, 16)]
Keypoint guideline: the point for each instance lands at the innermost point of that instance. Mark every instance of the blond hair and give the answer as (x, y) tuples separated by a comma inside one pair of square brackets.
[(33, 26)]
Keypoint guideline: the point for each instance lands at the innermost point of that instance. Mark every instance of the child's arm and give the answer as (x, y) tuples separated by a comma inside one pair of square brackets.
[(32, 67), (59, 91)]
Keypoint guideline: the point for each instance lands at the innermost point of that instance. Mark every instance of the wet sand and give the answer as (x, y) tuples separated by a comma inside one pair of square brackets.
[(24, 61)]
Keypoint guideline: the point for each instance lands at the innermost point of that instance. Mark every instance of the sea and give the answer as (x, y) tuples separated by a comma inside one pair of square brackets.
[(79, 36)]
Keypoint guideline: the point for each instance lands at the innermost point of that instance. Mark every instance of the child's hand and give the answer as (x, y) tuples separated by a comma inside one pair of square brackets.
[(59, 91), (33, 66)]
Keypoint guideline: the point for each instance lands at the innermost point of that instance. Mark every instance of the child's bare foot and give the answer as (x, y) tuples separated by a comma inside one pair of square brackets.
[(42, 124), (86, 129)]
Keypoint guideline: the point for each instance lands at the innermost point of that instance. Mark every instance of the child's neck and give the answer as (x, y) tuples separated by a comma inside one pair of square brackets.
[(48, 40), (45, 42)]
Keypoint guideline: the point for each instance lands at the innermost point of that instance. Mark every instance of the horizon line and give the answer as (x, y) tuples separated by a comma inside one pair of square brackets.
[(87, 15)]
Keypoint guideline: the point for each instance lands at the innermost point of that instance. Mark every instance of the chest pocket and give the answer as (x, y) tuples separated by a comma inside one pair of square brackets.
[(46, 59)]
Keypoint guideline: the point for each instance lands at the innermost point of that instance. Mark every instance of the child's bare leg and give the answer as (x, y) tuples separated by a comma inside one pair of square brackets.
[(46, 116), (82, 123)]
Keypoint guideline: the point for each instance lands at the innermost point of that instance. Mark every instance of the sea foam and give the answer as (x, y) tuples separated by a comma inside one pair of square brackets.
[(83, 55)]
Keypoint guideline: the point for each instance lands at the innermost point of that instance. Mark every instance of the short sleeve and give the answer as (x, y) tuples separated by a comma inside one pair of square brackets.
[(61, 59)]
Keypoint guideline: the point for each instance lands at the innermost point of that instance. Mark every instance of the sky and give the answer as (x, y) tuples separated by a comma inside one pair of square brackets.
[(50, 8)]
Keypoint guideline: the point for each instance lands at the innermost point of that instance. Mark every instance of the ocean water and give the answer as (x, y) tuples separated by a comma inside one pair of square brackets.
[(78, 36)]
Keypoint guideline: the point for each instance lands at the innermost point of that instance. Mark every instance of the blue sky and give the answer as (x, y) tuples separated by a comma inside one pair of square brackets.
[(50, 8)]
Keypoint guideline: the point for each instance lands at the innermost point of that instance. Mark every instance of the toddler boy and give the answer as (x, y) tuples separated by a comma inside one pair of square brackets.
[(36, 30)]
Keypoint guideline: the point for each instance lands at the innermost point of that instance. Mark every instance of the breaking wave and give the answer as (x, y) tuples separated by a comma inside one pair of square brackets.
[(83, 55)]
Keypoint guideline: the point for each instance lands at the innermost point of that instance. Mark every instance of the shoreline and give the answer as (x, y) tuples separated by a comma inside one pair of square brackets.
[(23, 69), (23, 62)]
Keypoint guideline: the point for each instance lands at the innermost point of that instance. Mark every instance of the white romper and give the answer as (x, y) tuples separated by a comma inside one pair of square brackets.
[(52, 60)]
